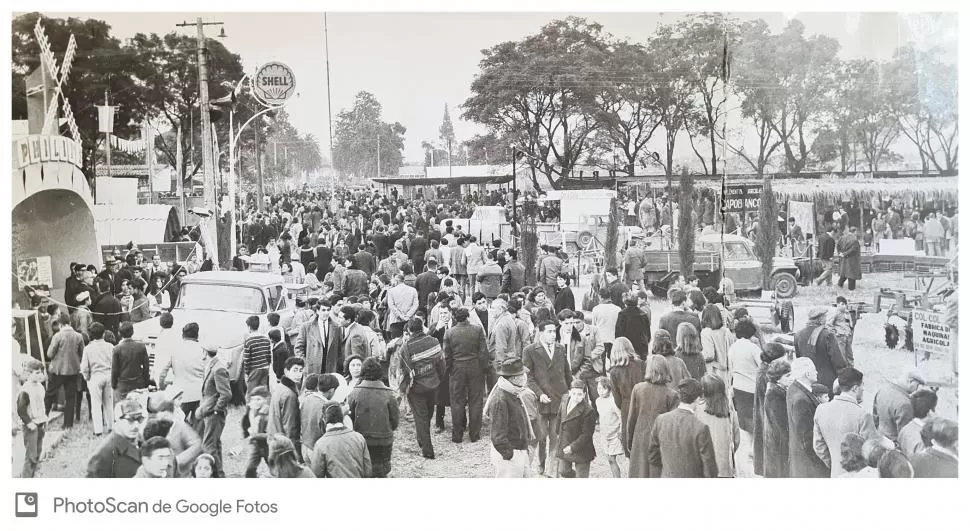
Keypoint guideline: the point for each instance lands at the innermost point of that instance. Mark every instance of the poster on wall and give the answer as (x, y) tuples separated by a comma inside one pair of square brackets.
[(35, 273), (804, 214)]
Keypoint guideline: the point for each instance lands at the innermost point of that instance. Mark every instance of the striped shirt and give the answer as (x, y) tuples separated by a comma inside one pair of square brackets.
[(257, 352)]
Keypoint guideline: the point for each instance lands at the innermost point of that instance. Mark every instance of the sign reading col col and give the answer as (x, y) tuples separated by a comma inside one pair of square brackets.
[(930, 333), (274, 83)]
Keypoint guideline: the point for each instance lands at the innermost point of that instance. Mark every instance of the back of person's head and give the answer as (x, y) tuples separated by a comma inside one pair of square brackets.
[(849, 377), (893, 464), (415, 325), (630, 299), (677, 296), (772, 351), (923, 402), (190, 331), (275, 336), (745, 329), (853, 459), (326, 382), (371, 370), (96, 330), (126, 329), (657, 371), (333, 414), (253, 322), (711, 318), (156, 427), (165, 320), (273, 319), (689, 390), (944, 432), (460, 314)]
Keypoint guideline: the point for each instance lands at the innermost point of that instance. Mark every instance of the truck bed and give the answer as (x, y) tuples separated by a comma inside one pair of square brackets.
[(667, 261)]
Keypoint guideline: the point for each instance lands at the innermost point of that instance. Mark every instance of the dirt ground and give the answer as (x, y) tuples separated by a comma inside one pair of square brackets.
[(873, 358)]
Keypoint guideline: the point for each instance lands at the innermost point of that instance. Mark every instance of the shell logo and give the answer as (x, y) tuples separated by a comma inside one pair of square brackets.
[(274, 83)]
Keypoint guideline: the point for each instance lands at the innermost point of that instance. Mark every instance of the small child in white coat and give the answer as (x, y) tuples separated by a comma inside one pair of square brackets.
[(610, 422)]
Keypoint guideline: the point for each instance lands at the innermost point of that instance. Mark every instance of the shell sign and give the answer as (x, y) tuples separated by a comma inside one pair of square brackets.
[(274, 83)]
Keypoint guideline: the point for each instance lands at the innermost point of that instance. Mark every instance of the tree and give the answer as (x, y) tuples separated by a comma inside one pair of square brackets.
[(686, 224), (360, 133), (489, 148), (612, 244), (434, 155), (674, 91), (703, 40), (803, 71), (875, 127), (446, 133), (101, 65), (627, 110), (761, 97), (922, 96), (167, 71), (539, 93), (766, 241)]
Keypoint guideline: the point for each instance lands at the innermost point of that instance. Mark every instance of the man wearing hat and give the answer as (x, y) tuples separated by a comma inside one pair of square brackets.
[(511, 431), (817, 343), (214, 405), (74, 285), (118, 455), (891, 407), (839, 417), (82, 317)]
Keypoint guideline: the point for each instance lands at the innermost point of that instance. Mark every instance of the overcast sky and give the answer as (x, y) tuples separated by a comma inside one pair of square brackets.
[(415, 63)]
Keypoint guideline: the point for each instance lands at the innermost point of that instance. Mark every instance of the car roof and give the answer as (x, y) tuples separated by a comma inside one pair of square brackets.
[(247, 278)]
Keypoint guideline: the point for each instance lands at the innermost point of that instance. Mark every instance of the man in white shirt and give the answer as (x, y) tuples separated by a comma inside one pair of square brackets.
[(165, 346)]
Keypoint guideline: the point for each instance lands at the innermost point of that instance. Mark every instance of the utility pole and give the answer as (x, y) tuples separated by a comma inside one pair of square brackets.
[(378, 154), (326, 39), (208, 163), (107, 140), (259, 170)]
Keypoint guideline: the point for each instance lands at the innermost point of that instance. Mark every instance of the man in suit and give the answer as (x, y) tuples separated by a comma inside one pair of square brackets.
[(849, 251), (891, 408), (817, 343), (549, 377), (547, 271), (319, 341), (64, 354), (427, 283), (940, 460), (466, 355), (801, 404), (402, 304), (355, 339), (634, 261), (188, 363), (213, 406), (129, 364), (513, 274), (843, 415), (680, 444), (284, 404), (365, 260), (419, 246)]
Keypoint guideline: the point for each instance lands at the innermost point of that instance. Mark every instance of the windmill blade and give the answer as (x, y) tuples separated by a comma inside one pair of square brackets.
[(68, 58)]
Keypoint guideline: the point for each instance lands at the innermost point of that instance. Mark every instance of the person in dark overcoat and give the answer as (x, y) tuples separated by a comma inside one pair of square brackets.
[(575, 430), (626, 371), (775, 449), (650, 399), (634, 324), (801, 405), (771, 352), (817, 343), (850, 267)]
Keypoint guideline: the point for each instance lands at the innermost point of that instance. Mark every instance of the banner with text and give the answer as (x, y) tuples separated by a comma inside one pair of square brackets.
[(930, 334)]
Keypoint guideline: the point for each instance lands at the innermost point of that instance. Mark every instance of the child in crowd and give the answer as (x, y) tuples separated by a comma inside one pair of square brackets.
[(254, 428), (610, 422), (30, 409), (203, 467)]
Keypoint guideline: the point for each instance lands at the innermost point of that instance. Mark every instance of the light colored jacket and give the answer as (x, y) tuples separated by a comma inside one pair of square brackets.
[(402, 303), (715, 345), (833, 420), (65, 352), (188, 362), (96, 359)]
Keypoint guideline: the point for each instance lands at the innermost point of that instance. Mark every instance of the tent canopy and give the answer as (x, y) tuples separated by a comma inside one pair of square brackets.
[(120, 224)]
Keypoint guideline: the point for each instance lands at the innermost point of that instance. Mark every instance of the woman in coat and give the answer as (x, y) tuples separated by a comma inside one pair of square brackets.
[(634, 324), (717, 413), (772, 352), (626, 371), (651, 398), (576, 426), (716, 340), (663, 345), (565, 300), (776, 421), (850, 267), (375, 414), (689, 350)]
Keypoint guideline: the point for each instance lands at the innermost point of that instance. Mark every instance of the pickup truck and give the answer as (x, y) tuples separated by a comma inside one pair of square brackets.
[(740, 265), (220, 302)]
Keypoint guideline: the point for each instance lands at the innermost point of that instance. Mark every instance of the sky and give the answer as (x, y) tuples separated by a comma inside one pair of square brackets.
[(416, 63)]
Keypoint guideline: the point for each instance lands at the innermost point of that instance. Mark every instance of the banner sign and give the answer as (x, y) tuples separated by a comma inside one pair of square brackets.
[(34, 149), (742, 197), (804, 214), (930, 334)]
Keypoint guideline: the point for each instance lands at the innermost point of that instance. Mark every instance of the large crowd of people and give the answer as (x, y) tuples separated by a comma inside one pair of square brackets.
[(404, 317)]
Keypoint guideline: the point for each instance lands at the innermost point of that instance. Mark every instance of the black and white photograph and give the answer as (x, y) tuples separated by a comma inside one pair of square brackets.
[(538, 245)]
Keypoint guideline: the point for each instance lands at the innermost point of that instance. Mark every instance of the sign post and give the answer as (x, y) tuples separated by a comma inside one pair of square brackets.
[(931, 335)]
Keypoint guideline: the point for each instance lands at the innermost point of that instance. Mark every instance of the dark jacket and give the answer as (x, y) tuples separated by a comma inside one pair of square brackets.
[(509, 424), (565, 300), (825, 353), (672, 319), (374, 411), (355, 283), (776, 464), (801, 405), (320, 358), (649, 402), (129, 366), (851, 266), (463, 345), (826, 246), (284, 411), (634, 324), (624, 378), (106, 309), (117, 457), (366, 262), (575, 431), (426, 284), (324, 259), (760, 387), (65, 351), (617, 290), (341, 453), (281, 353), (681, 447), (547, 376), (513, 277)]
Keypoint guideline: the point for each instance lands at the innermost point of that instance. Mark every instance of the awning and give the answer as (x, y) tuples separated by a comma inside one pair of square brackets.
[(437, 181), (141, 224)]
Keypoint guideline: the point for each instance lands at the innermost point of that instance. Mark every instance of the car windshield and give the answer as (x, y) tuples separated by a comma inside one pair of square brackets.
[(736, 251), (242, 299)]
